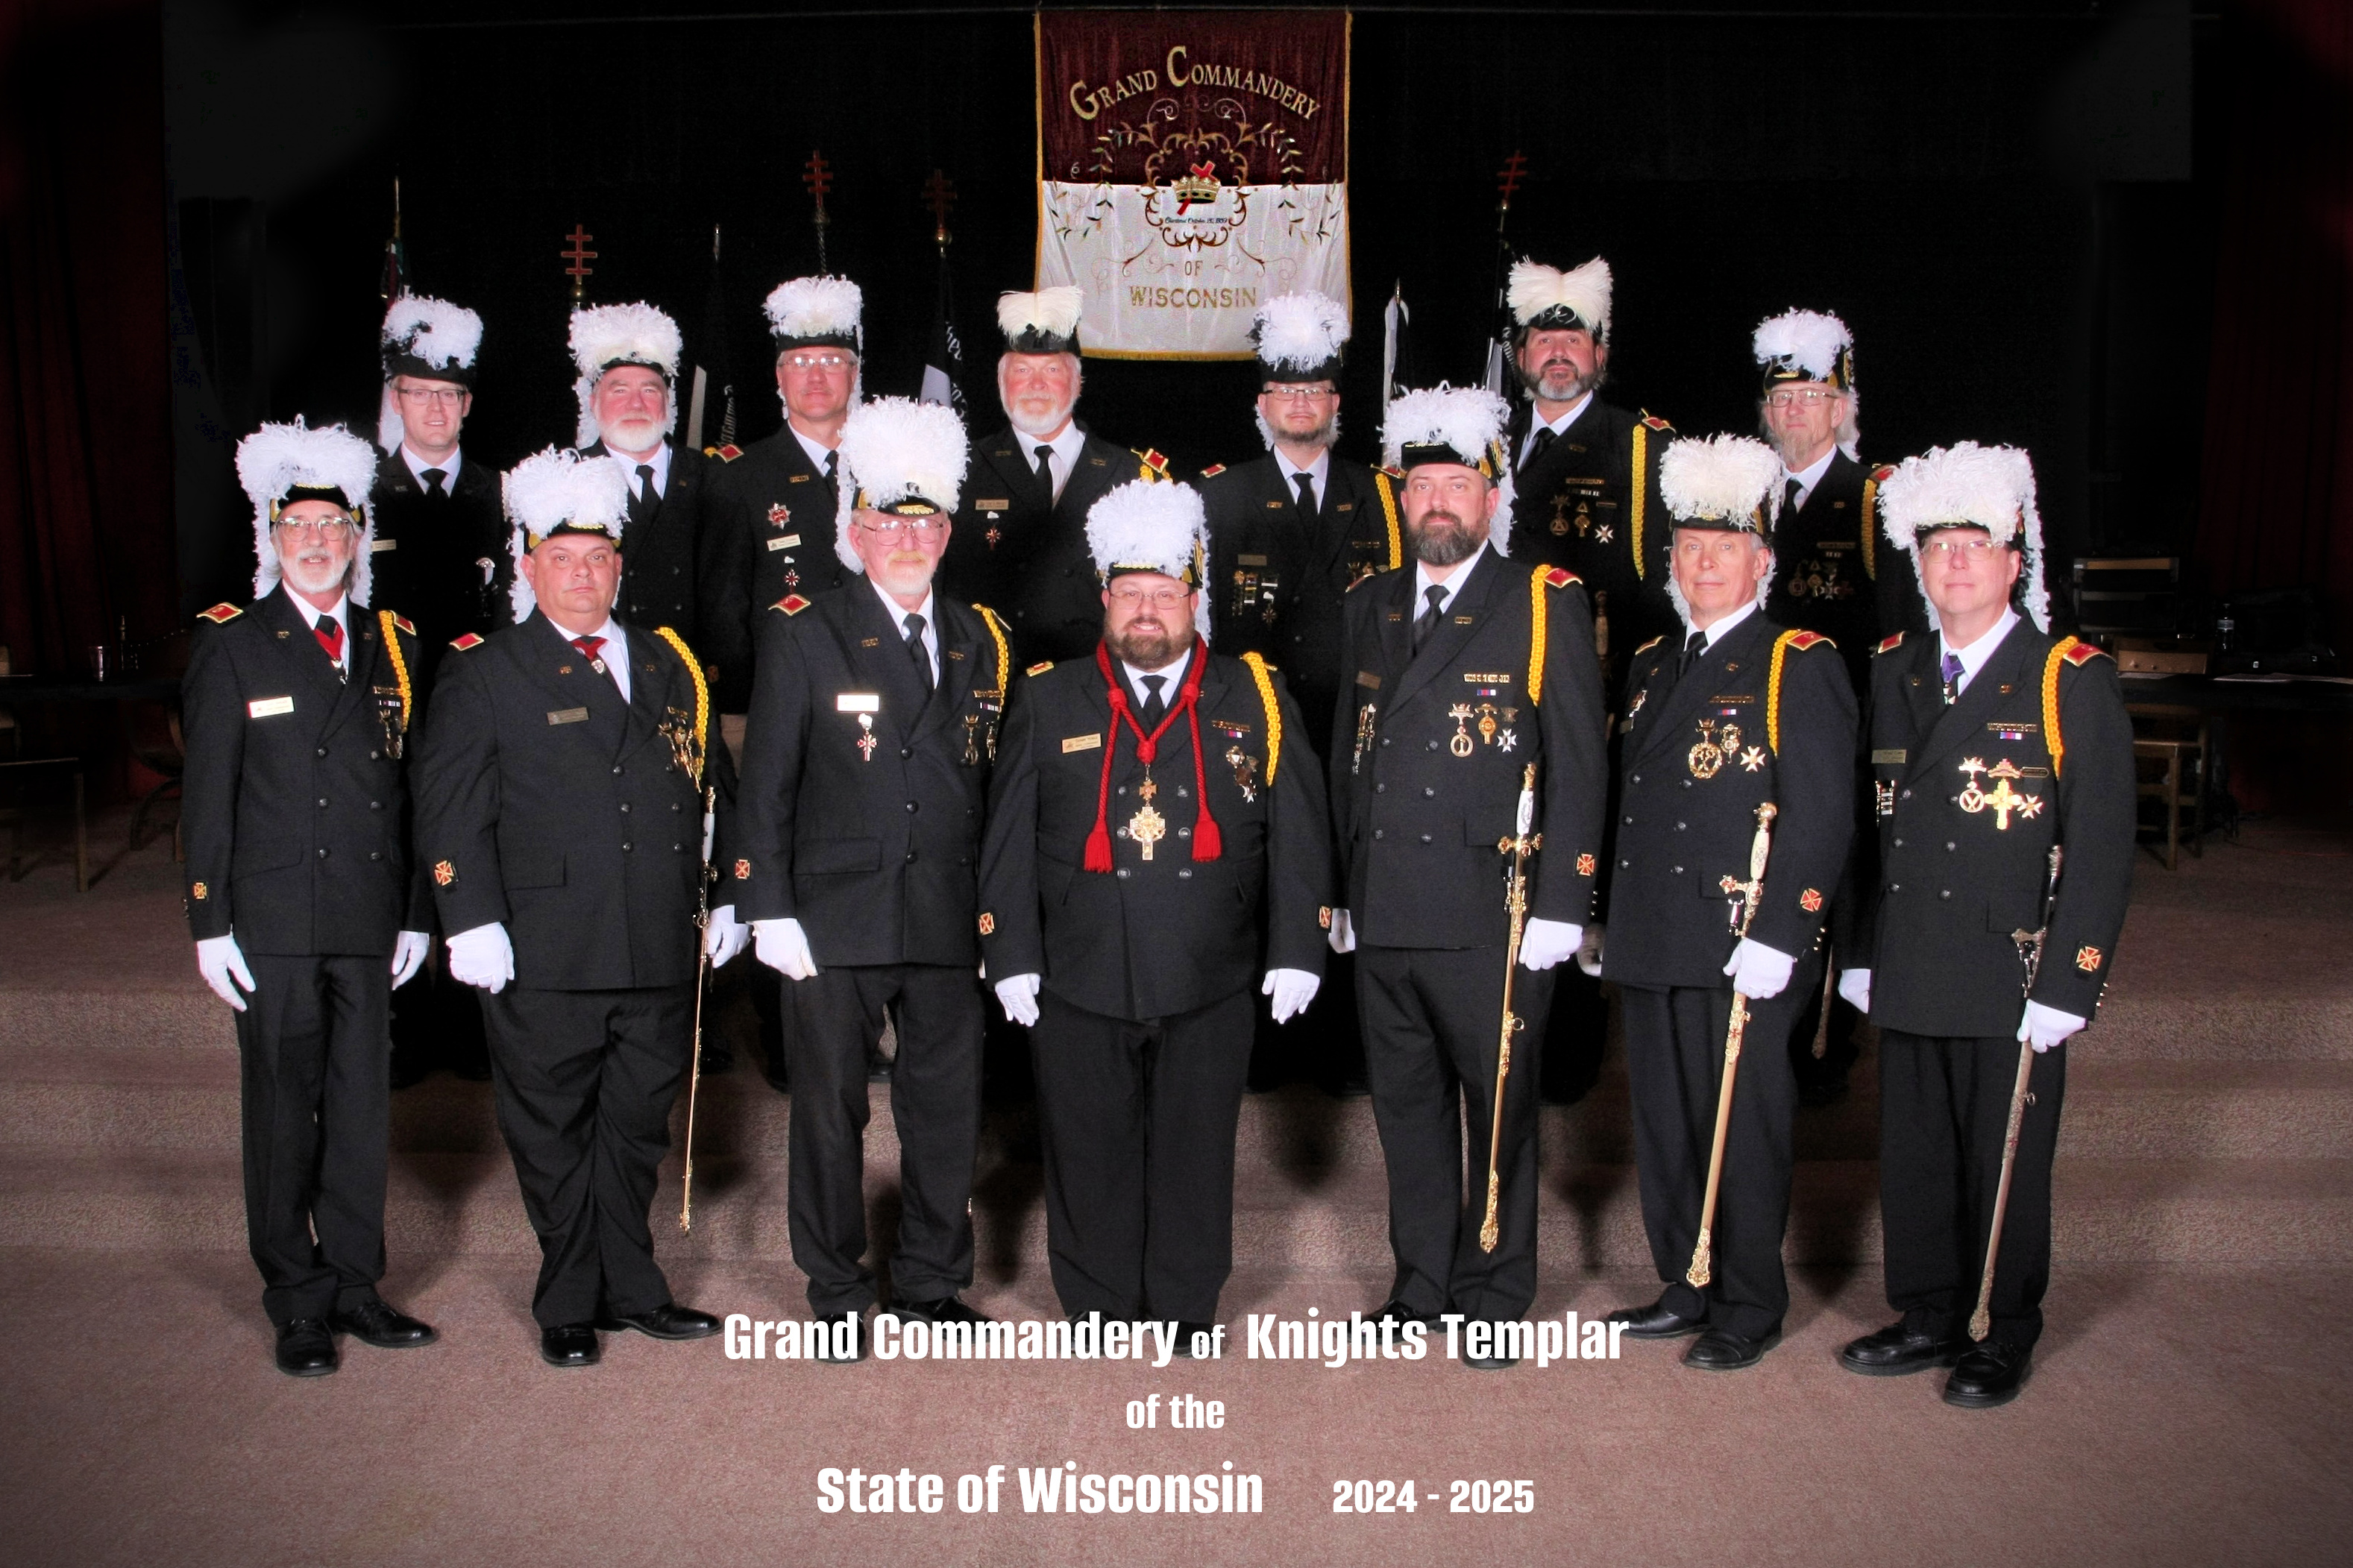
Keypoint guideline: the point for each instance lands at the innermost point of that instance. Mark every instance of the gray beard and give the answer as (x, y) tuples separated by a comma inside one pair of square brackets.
[(1041, 428), (1547, 388), (1443, 539)]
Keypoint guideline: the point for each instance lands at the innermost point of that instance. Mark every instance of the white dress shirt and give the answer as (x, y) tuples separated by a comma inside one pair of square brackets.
[(657, 460), (1723, 627), (1973, 657), (342, 614), (1066, 450), (1557, 427), (818, 452), (1423, 582), (898, 613), (416, 466), (1175, 672), (1319, 472), (615, 653), (1810, 475)]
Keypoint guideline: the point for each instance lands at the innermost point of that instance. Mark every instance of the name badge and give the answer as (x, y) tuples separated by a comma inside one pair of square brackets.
[(1885, 755), (568, 716), (1367, 680), (858, 702), (994, 505), (268, 707), (784, 543), (1252, 560), (378, 546), (797, 479), (1080, 743), (1497, 677)]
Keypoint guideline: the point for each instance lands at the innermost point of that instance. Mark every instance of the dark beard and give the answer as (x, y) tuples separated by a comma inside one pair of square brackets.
[(1442, 539), (1150, 650)]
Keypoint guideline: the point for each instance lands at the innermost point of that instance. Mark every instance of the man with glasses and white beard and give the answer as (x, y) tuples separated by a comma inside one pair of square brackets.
[(1020, 537)]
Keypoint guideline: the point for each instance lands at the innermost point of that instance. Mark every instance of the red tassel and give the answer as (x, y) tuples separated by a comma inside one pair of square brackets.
[(1208, 843), (1099, 847)]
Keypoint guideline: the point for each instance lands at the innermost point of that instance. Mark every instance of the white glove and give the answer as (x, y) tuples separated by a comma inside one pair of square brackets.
[(723, 935), (2043, 1027), (1589, 951), (1759, 972), (1344, 932), (408, 956), (1018, 993), (783, 947), (1546, 942), (217, 960), (482, 956), (1855, 986), (1292, 989)]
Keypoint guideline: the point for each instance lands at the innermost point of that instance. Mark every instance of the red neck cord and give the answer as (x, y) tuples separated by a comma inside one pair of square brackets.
[(1208, 844)]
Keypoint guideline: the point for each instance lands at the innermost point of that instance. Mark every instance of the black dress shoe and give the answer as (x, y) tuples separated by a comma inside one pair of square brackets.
[(569, 1344), (1490, 1362), (375, 1323), (306, 1349), (824, 1338), (1398, 1312), (946, 1310), (1656, 1321), (1185, 1328), (1897, 1350), (668, 1321), (1988, 1374), (1721, 1350)]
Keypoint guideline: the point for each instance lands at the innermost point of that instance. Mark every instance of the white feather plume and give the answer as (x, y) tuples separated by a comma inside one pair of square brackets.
[(1300, 331), (1534, 289), (1991, 487), (1721, 477), (638, 334), (822, 306), (276, 457), (1469, 419), (1157, 526), (894, 447), (1810, 339), (1051, 311), (558, 486), (432, 330)]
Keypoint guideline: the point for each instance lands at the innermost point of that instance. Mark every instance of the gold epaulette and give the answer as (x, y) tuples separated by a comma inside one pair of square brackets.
[(988, 618), (1385, 481), (1041, 668), (1262, 673), (1654, 421), (220, 612), (701, 697), (1560, 578), (402, 622), (1153, 466), (1801, 641), (2084, 653)]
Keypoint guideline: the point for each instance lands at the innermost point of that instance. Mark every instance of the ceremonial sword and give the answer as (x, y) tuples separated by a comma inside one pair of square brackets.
[(1749, 894), (2030, 954), (1519, 847)]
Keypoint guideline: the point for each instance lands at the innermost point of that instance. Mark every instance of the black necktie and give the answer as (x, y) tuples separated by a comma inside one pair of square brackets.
[(1045, 473), (1306, 483), (1789, 498), (1537, 448), (1427, 622), (1155, 709), (643, 501), (433, 479), (833, 474), (1694, 645), (915, 651)]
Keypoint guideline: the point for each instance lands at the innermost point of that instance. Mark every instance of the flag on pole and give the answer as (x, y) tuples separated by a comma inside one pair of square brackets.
[(943, 362), (395, 254), (1395, 318), (711, 404), (1499, 345)]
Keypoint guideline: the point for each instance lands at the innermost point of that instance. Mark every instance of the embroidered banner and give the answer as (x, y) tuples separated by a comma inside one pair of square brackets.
[(1191, 165)]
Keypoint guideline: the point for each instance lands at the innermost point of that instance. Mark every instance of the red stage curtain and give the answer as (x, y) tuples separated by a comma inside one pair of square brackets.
[(85, 487), (2276, 507)]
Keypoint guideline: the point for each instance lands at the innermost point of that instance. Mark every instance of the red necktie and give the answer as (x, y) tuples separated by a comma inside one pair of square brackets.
[(588, 646), (329, 633)]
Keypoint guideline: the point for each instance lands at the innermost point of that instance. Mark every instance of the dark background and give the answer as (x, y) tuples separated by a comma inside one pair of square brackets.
[(2110, 232)]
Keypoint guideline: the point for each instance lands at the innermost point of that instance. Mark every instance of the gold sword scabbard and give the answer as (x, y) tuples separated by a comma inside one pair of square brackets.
[(1519, 847)]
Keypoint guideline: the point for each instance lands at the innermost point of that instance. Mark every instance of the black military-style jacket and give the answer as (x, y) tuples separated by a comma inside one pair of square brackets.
[(1160, 933), (1697, 756), (774, 512), (295, 804), (1836, 573), (445, 562), (1428, 756), (1276, 579), (676, 571), (1024, 555), (1968, 801), (1578, 506), (859, 807), (546, 803)]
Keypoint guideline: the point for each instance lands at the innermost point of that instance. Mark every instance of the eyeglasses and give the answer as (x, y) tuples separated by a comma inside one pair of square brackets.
[(301, 528), (1158, 598), (1299, 393), (432, 395), (1806, 397), (898, 527), (816, 362), (1958, 549)]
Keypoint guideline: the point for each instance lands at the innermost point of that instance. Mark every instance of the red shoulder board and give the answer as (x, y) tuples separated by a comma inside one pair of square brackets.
[(1155, 462), (1213, 470), (1655, 423), (1882, 474), (791, 603), (1041, 668), (469, 641), (2084, 653), (1392, 471), (1889, 645), (726, 454), (402, 622), (222, 612), (1561, 578), (1805, 640)]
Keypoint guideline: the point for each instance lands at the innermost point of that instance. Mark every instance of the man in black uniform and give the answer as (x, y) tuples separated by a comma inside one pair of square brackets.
[(873, 722), (1465, 670), (560, 808), (304, 907), (1994, 751), (1290, 534), (441, 552), (1020, 537), (1586, 498), (1738, 717), (1147, 802)]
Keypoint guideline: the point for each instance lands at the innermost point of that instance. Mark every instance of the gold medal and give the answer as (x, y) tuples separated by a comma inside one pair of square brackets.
[(1147, 826), (1462, 744)]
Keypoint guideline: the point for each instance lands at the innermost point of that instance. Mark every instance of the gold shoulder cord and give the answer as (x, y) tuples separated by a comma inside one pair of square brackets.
[(1869, 554), (1641, 468), (701, 697), (399, 664), (1004, 654), (2051, 700), (1389, 510), (1537, 610), (1263, 674), (1773, 694)]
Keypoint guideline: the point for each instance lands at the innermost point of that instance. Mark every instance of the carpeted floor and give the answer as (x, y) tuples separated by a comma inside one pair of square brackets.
[(2176, 1414)]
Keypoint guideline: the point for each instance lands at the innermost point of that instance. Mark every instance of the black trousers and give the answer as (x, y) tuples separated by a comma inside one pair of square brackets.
[(1433, 1020), (1674, 1061), (437, 1020), (835, 1020), (316, 1091), (1840, 1046), (1575, 1038), (584, 1082), (1944, 1112), (1137, 1118)]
